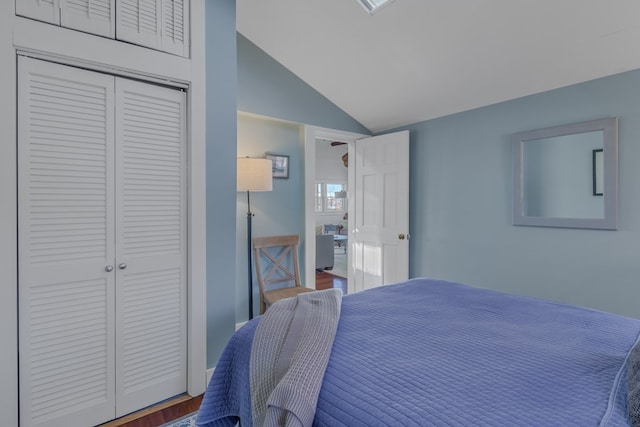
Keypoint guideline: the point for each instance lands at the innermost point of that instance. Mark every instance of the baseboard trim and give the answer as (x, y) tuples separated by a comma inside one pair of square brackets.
[(240, 325)]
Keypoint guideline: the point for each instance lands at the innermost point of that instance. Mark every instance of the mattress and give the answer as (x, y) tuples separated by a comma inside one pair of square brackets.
[(436, 353)]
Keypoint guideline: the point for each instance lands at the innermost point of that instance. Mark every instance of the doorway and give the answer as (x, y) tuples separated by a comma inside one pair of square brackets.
[(339, 142)]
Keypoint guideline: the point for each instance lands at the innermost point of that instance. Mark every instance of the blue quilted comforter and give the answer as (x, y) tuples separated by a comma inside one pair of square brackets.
[(434, 353)]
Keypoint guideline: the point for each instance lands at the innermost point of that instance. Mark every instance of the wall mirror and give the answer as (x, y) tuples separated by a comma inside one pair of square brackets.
[(567, 176)]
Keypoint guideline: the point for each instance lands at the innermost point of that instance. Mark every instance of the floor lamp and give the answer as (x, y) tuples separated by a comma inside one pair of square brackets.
[(253, 175)]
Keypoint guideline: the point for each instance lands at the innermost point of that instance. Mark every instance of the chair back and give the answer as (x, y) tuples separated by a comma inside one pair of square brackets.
[(271, 255)]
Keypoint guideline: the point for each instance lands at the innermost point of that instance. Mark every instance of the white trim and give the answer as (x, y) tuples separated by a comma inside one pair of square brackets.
[(98, 53), (197, 210), (311, 133), (240, 325), (210, 374), (8, 221)]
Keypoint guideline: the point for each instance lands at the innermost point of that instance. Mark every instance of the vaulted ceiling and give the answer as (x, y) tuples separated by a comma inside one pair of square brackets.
[(420, 59)]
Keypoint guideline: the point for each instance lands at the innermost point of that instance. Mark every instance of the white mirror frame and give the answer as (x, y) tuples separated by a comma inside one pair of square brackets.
[(609, 127)]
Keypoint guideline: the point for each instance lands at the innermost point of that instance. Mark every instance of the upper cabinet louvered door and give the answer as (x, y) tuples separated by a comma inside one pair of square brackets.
[(92, 16), (151, 246), (66, 239), (175, 27), (158, 24), (43, 10), (139, 22)]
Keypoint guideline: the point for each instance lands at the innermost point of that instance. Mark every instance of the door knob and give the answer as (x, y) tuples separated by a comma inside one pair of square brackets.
[(401, 236), (122, 266), (108, 268)]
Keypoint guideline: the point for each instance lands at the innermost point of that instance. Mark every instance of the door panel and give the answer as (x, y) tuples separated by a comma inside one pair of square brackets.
[(151, 226), (42, 10), (66, 239), (91, 16), (381, 224)]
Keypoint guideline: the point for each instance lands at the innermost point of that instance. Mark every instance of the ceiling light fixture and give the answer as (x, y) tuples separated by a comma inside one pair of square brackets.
[(373, 6)]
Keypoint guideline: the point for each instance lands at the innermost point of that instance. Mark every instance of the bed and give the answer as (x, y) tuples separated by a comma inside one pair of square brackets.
[(430, 353)]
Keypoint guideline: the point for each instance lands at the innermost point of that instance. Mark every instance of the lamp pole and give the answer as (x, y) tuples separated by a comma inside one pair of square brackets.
[(249, 269)]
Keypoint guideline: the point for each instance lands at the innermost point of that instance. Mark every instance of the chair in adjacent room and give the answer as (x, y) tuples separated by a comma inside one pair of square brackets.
[(276, 259)]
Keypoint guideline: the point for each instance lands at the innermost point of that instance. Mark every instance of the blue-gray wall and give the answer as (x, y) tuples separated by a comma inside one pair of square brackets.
[(221, 173), (267, 88), (277, 212), (460, 192), (284, 103)]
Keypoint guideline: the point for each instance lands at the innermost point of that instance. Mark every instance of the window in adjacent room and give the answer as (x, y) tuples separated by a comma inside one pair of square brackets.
[(326, 200)]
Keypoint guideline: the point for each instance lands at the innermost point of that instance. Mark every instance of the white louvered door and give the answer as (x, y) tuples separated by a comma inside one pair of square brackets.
[(158, 24), (151, 229), (92, 16), (66, 239), (102, 244), (175, 27)]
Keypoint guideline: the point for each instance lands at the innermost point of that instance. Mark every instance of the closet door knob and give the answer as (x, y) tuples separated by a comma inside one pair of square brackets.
[(108, 268), (122, 266)]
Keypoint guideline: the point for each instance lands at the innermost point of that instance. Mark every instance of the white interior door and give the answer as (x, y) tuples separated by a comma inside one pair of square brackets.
[(380, 230), (65, 243), (151, 308)]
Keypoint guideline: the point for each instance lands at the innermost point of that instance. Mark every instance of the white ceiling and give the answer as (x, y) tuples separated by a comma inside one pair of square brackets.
[(420, 59)]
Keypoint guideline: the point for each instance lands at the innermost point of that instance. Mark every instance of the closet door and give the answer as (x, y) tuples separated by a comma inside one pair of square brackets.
[(151, 244), (91, 16), (65, 245), (42, 10)]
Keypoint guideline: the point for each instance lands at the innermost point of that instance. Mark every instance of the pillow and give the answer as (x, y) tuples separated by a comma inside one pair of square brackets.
[(633, 385)]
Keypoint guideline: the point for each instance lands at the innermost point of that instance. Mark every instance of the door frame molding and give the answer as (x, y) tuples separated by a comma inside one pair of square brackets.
[(311, 134)]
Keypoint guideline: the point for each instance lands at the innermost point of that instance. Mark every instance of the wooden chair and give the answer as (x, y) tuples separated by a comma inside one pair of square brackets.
[(275, 251)]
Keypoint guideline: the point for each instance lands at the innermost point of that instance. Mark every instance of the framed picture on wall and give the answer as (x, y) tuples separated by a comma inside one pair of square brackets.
[(598, 185), (280, 168)]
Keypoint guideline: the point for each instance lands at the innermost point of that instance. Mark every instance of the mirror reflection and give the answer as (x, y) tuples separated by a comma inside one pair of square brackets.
[(566, 176), (558, 176)]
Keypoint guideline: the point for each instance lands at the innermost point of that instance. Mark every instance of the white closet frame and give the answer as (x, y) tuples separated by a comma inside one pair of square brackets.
[(75, 48)]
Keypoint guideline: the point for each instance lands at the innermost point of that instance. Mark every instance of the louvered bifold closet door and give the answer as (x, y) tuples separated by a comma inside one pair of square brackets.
[(65, 241), (42, 10), (92, 16), (151, 246)]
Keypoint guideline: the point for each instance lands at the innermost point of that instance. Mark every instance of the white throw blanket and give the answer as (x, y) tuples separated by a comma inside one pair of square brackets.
[(289, 356)]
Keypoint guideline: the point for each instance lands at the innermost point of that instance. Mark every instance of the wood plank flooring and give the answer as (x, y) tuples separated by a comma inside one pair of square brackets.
[(157, 415), (326, 280)]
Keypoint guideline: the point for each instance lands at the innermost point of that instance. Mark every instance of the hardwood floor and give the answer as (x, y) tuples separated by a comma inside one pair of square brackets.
[(157, 415), (325, 280)]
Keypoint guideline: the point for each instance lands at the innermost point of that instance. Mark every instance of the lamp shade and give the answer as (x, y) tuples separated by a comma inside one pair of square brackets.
[(254, 174)]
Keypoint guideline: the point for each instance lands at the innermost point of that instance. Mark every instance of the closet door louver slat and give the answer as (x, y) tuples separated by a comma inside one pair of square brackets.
[(151, 225), (66, 238)]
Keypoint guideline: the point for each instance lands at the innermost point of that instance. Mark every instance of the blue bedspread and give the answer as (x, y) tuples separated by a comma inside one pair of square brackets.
[(437, 353)]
